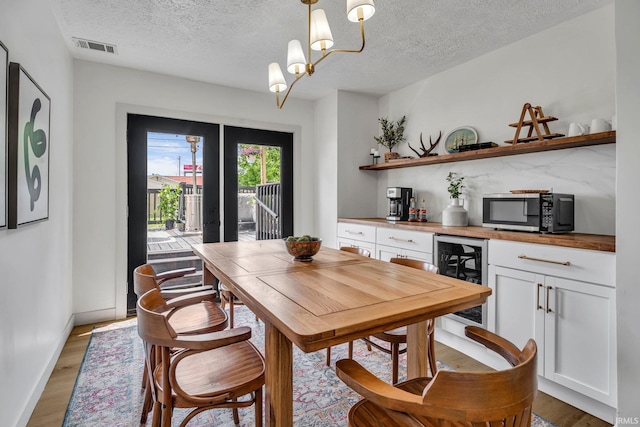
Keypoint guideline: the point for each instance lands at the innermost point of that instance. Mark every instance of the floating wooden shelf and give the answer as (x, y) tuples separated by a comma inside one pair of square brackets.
[(501, 151)]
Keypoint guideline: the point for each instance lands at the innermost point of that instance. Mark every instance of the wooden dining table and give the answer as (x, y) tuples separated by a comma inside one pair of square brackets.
[(335, 298)]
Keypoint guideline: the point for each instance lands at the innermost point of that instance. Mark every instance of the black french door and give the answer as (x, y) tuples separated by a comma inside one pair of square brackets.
[(234, 137), (138, 127)]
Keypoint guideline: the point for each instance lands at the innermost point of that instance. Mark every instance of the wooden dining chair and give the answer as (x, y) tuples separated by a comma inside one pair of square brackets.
[(397, 337), (227, 297), (361, 252), (356, 250), (203, 316), (148, 278), (195, 311), (450, 398), (199, 371)]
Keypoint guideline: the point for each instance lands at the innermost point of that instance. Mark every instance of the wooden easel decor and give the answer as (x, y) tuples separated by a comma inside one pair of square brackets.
[(537, 118)]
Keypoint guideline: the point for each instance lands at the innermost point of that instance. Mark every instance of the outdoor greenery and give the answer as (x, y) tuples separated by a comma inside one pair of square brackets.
[(455, 185), (392, 132), (169, 201), (249, 161)]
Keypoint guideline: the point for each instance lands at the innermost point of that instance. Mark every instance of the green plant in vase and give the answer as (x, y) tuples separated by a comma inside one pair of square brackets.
[(455, 185), (392, 135), (455, 214)]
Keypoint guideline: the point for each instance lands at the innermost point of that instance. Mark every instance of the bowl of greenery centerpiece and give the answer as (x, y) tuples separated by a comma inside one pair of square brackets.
[(302, 248)]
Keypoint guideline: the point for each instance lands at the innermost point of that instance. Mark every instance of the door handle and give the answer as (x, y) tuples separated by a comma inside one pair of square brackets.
[(354, 232), (397, 239), (538, 306), (548, 291), (567, 263)]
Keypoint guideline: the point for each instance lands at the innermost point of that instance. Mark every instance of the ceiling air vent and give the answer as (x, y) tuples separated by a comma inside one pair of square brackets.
[(93, 45)]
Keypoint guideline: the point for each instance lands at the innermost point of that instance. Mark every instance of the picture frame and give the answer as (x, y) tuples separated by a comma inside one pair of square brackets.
[(463, 135), (29, 117), (4, 99)]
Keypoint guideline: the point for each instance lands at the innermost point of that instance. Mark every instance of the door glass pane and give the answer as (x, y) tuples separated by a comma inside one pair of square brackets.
[(174, 209), (259, 192)]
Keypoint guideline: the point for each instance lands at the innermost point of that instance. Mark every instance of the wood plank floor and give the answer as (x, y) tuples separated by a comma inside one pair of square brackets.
[(52, 405)]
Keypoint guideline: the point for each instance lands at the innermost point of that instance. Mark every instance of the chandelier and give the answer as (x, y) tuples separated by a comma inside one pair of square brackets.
[(319, 38)]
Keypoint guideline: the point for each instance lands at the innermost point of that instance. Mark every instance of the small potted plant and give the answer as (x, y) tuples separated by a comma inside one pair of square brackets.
[(169, 203), (455, 215), (392, 135)]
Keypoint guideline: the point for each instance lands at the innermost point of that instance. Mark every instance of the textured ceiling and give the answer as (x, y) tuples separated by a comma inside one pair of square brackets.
[(231, 43)]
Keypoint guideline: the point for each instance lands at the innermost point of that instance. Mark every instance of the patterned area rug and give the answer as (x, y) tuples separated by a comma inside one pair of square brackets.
[(107, 390)]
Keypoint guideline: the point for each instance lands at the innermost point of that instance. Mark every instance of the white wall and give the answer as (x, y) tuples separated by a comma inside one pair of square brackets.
[(325, 185), (35, 260), (346, 125), (357, 125), (569, 70), (628, 205), (103, 97)]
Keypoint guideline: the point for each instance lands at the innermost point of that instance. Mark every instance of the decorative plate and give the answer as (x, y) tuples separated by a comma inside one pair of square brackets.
[(460, 136), (529, 191)]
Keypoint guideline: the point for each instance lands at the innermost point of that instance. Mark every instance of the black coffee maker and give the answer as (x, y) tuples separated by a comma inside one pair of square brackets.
[(399, 198)]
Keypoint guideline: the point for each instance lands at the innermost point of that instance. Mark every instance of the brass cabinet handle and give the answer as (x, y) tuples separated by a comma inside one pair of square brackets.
[(400, 240), (567, 263), (538, 306), (548, 308)]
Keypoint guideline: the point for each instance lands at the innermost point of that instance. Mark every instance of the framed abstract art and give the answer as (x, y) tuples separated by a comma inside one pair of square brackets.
[(28, 153), (4, 68)]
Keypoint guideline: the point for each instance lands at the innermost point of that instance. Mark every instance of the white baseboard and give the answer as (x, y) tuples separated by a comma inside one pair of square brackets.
[(42, 382), (95, 316), (585, 403)]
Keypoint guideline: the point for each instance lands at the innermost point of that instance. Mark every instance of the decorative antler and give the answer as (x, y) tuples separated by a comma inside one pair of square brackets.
[(426, 151)]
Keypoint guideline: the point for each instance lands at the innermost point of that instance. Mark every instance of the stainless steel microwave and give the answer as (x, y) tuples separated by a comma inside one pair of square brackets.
[(536, 212)]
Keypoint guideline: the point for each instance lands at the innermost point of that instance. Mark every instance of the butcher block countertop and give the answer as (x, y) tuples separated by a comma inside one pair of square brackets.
[(595, 242)]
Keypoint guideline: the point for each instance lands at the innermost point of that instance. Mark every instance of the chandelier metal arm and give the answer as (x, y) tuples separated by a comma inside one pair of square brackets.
[(286, 95), (311, 66)]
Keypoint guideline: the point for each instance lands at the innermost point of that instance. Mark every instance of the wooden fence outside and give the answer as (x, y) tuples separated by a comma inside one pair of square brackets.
[(268, 207)]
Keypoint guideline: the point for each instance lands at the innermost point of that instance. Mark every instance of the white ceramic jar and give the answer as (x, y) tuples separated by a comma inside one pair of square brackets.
[(455, 215)]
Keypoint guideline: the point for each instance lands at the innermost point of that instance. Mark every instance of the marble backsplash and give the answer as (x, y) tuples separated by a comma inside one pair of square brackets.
[(587, 172)]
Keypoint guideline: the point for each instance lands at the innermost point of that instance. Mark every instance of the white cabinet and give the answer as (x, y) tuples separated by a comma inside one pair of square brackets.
[(385, 243), (564, 298), (357, 235), (397, 243)]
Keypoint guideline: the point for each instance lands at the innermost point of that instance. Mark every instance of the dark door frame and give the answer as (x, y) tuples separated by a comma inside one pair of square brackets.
[(236, 135), (137, 128)]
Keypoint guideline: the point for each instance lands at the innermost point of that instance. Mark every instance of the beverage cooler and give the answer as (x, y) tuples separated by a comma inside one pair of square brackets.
[(464, 258)]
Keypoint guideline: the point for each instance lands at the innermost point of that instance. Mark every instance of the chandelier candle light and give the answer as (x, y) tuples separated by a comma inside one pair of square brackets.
[(320, 38)]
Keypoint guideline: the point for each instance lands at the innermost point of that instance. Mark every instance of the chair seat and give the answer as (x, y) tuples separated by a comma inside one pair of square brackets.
[(220, 374), (367, 414), (398, 335), (199, 318)]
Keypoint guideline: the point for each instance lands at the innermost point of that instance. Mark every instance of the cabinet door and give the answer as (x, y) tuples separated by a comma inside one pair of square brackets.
[(371, 247), (515, 309), (580, 337), (385, 253)]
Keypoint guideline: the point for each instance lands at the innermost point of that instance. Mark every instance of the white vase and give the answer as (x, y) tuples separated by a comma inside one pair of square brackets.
[(455, 215)]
